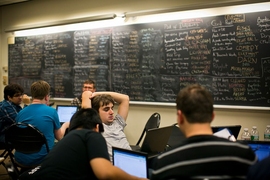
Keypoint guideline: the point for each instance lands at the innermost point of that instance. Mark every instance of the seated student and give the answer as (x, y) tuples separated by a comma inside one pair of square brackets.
[(10, 107), (44, 118), (81, 155), (103, 103), (260, 170), (88, 85), (202, 155)]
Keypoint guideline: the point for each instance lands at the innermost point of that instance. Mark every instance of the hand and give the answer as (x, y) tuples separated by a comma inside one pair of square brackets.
[(26, 99), (87, 94)]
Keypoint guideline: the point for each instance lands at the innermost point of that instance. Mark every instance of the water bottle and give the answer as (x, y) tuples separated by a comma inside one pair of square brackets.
[(254, 134), (267, 133), (245, 135)]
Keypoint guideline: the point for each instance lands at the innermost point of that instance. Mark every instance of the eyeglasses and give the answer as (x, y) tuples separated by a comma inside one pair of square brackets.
[(18, 95), (87, 87)]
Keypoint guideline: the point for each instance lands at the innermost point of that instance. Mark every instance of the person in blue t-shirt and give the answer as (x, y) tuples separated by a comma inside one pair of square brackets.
[(44, 118)]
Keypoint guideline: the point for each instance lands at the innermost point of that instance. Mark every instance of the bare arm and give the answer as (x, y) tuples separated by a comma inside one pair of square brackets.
[(121, 99), (59, 133), (103, 169), (86, 101)]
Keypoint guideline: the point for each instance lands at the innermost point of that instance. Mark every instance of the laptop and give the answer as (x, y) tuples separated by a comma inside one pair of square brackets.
[(155, 141), (176, 138), (65, 112), (233, 129), (132, 162), (260, 148)]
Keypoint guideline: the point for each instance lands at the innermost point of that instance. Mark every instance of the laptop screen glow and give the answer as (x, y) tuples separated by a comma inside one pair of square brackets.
[(262, 150), (65, 112), (134, 163)]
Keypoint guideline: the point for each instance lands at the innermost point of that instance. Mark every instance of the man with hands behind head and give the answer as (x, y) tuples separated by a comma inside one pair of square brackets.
[(103, 103)]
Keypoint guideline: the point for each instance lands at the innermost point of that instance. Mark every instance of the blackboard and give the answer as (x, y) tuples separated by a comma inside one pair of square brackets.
[(151, 62)]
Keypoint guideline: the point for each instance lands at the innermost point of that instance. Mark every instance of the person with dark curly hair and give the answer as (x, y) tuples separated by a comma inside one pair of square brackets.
[(10, 107)]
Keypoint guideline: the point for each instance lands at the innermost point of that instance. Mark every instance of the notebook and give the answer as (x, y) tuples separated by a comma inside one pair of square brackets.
[(234, 129), (260, 148), (155, 140), (132, 162), (65, 112)]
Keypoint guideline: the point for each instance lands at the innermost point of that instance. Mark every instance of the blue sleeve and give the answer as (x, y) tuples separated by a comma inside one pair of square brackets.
[(56, 122)]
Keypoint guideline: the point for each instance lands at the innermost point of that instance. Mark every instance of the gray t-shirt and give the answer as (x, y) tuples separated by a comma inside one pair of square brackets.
[(114, 134)]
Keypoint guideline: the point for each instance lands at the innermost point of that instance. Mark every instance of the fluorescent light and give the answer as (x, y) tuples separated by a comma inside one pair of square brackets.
[(159, 17), (71, 27), (118, 20)]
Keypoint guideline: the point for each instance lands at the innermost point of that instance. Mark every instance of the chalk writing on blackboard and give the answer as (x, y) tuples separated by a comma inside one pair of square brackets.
[(228, 54)]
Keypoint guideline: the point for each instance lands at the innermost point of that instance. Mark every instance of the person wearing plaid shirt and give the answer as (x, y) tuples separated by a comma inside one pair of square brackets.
[(88, 85), (10, 106)]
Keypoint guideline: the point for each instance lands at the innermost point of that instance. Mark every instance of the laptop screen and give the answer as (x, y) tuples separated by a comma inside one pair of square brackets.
[(65, 112), (233, 129), (156, 140), (260, 148), (132, 162)]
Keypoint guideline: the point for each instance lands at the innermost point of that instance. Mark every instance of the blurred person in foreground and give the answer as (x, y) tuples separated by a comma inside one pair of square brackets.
[(81, 155), (202, 155)]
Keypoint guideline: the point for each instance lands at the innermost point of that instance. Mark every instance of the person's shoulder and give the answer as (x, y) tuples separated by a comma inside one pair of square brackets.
[(5, 103), (85, 132)]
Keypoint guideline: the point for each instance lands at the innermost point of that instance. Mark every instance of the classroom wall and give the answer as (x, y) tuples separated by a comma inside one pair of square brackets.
[(40, 11)]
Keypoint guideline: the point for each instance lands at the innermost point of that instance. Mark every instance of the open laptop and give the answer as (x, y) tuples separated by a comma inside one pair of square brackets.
[(155, 141), (233, 129), (132, 162), (176, 138), (260, 148), (65, 112)]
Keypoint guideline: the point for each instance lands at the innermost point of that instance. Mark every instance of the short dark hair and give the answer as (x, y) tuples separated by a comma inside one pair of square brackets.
[(101, 100), (12, 89), (40, 89), (196, 103), (89, 81), (87, 119)]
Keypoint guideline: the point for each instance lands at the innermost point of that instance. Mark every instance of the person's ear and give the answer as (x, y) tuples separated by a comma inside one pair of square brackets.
[(96, 128), (180, 117), (47, 98), (213, 116)]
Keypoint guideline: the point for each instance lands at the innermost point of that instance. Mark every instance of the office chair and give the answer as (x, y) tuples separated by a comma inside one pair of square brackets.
[(153, 122), (26, 139)]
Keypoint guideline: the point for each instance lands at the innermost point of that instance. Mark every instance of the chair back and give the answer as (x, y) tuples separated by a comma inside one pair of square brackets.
[(25, 138), (153, 122)]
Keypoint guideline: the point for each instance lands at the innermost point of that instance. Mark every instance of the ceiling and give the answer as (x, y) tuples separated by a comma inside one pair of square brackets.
[(8, 2)]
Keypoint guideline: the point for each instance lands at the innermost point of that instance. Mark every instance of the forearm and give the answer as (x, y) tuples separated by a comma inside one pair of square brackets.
[(86, 99), (59, 134), (118, 97)]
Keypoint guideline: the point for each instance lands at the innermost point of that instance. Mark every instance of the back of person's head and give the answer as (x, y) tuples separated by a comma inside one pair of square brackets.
[(40, 89), (89, 81), (196, 103), (12, 89), (86, 119), (101, 100)]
